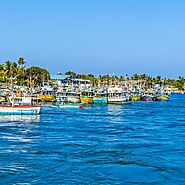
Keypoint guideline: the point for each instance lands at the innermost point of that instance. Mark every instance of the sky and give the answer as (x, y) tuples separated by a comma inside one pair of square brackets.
[(95, 36)]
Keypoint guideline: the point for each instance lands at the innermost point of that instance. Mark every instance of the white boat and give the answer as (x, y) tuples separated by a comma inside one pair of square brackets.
[(20, 106), (61, 98), (73, 97), (116, 97)]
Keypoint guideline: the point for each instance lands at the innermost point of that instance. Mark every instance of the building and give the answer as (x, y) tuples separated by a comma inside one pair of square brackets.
[(69, 83)]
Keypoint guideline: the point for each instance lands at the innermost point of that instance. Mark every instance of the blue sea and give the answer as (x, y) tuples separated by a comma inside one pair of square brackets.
[(142, 143)]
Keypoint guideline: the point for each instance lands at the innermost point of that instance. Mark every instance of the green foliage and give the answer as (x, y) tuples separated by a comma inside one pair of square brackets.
[(70, 73), (122, 78), (37, 75), (11, 72)]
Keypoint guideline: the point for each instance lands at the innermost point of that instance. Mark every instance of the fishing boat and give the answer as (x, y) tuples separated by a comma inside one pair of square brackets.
[(116, 95), (147, 98), (47, 94), (136, 97), (73, 97), (47, 98), (100, 98), (70, 105), (161, 97), (86, 97), (20, 106), (116, 98), (61, 97)]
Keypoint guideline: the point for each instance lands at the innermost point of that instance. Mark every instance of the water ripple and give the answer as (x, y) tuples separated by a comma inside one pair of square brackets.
[(142, 143)]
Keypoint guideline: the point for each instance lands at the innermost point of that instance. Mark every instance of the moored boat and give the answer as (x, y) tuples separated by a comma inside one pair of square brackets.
[(61, 97), (20, 106), (161, 97), (100, 99), (87, 97), (47, 98), (136, 98), (147, 98), (117, 98), (73, 97)]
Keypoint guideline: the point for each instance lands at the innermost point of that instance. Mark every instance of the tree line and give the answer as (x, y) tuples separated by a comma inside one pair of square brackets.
[(177, 83), (16, 73)]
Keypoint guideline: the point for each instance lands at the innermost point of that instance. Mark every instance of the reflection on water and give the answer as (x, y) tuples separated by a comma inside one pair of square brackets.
[(21, 118), (116, 113), (18, 133)]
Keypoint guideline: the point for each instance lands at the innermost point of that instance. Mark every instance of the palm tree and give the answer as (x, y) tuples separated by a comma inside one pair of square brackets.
[(22, 63), (2, 72), (143, 76), (10, 69)]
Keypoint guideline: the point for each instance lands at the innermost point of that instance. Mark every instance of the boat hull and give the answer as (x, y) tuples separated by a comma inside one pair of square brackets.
[(120, 103), (161, 98), (136, 98), (102, 100), (47, 98), (20, 110), (147, 98), (116, 100), (60, 99), (71, 105), (88, 100), (72, 99)]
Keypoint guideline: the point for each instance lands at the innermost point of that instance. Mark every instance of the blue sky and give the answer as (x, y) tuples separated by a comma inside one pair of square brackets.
[(95, 36)]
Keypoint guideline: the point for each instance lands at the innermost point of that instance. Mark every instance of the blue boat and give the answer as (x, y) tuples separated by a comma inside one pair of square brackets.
[(100, 98)]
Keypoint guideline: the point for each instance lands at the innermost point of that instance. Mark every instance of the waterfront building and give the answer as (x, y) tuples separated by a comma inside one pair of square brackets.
[(67, 83)]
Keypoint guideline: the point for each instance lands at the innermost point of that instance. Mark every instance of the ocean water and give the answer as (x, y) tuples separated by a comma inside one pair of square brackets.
[(142, 143)]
